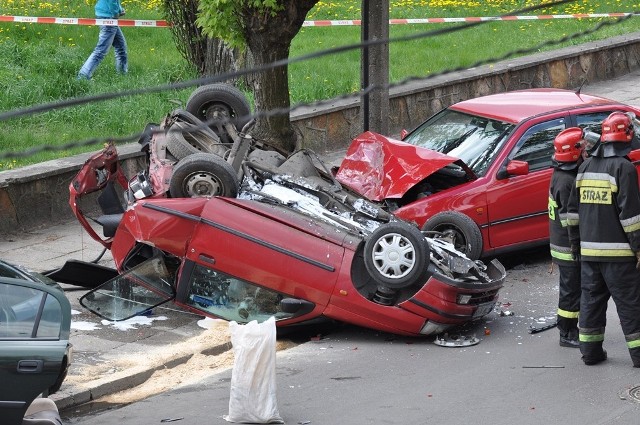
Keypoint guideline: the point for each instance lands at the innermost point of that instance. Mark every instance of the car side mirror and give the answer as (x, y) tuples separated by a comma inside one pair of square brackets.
[(514, 168), (403, 134)]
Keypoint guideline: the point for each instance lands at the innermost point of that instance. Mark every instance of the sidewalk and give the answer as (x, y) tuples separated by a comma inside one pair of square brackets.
[(110, 357), (169, 345)]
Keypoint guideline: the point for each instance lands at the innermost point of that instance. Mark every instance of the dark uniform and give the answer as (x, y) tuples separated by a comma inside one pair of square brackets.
[(562, 182), (606, 204)]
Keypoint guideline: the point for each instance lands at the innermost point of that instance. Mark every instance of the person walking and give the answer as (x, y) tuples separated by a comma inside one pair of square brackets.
[(604, 219), (568, 155), (110, 35)]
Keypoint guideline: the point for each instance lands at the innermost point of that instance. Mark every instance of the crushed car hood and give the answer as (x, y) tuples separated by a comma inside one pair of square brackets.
[(379, 168)]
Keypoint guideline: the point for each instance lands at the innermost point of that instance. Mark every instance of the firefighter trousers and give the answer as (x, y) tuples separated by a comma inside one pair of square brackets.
[(569, 299), (601, 281)]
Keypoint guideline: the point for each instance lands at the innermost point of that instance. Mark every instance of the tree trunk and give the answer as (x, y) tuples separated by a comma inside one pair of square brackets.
[(209, 56), (219, 58), (271, 93), (268, 36)]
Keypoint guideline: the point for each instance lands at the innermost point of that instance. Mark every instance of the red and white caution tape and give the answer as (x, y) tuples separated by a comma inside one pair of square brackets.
[(352, 22), (469, 19), (84, 21)]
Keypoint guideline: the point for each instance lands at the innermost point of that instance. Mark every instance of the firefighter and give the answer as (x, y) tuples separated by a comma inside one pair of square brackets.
[(604, 220), (568, 155)]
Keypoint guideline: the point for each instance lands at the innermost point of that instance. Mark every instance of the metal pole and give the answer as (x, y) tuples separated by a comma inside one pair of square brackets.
[(364, 66), (375, 66)]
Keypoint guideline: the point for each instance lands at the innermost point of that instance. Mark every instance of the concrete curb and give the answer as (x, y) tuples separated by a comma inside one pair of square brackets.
[(75, 395)]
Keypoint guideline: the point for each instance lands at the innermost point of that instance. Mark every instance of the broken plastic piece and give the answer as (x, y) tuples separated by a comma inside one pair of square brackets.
[(535, 330), (455, 341)]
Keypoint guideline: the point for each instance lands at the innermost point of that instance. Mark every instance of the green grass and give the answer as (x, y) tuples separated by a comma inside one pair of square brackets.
[(39, 62)]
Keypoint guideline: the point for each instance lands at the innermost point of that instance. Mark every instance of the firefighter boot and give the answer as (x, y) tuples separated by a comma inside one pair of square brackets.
[(592, 353), (590, 361), (570, 339), (568, 332)]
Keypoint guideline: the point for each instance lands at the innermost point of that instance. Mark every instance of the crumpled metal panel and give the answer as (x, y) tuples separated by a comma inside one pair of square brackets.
[(379, 168)]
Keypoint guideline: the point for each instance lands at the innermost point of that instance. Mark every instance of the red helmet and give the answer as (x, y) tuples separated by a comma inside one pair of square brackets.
[(568, 145), (617, 127)]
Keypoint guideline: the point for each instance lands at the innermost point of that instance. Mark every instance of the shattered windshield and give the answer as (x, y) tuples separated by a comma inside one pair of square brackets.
[(475, 140), (231, 298)]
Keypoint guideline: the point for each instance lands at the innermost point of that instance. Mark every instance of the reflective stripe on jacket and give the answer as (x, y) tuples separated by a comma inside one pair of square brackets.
[(562, 182), (605, 205)]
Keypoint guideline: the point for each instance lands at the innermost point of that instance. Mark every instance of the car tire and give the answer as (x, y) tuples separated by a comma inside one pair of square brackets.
[(459, 229), (203, 175), (396, 255), (220, 98), (181, 115), (181, 142)]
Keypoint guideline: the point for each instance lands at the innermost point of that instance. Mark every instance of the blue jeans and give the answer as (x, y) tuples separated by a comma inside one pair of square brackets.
[(109, 36)]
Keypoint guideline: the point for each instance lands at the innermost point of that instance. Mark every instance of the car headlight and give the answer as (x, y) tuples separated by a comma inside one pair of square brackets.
[(431, 328)]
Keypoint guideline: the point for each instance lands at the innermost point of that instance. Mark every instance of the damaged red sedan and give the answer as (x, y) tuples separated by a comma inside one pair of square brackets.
[(298, 249), (479, 170)]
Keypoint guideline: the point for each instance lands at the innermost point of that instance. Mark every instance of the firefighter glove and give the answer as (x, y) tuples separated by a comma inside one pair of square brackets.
[(575, 253)]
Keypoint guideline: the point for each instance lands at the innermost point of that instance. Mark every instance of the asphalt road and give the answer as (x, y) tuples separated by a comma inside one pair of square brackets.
[(357, 376)]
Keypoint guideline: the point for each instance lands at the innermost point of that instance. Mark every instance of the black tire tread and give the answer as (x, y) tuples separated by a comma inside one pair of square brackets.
[(205, 162), (223, 93), (464, 224)]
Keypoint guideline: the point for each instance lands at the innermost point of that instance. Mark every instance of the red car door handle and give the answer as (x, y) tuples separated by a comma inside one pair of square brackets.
[(30, 366)]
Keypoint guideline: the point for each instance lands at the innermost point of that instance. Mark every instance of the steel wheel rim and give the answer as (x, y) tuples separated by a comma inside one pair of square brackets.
[(203, 184)]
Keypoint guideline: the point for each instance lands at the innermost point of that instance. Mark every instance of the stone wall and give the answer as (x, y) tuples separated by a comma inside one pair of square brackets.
[(330, 127), (37, 195)]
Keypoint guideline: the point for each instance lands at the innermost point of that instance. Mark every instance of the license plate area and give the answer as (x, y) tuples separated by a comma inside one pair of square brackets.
[(483, 310)]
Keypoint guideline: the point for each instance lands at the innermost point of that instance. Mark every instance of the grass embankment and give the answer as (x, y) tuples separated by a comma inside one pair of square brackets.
[(39, 62)]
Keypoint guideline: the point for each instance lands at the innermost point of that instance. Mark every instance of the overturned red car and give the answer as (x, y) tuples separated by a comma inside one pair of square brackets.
[(293, 245)]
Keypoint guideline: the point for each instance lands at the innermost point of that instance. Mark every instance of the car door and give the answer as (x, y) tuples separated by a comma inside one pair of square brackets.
[(34, 344), (256, 254), (517, 204)]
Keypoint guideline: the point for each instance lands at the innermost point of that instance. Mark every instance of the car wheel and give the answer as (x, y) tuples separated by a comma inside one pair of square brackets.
[(203, 174), (184, 140), (220, 100), (458, 229), (396, 255), (180, 115)]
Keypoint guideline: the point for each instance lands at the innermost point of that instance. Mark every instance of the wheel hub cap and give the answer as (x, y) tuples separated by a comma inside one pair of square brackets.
[(394, 256)]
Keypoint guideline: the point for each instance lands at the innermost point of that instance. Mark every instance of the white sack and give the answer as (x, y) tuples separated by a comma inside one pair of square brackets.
[(253, 380)]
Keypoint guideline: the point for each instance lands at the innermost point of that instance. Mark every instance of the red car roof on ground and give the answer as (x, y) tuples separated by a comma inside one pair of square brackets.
[(518, 105)]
